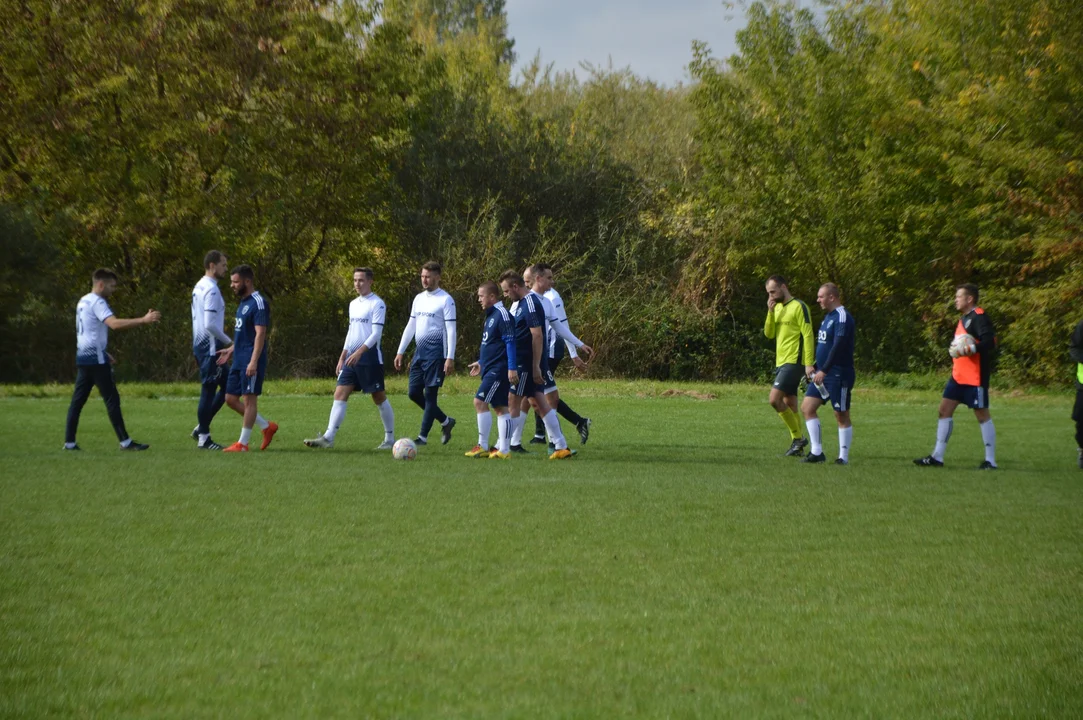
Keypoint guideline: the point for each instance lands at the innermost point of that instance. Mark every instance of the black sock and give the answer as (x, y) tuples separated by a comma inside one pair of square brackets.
[(568, 414)]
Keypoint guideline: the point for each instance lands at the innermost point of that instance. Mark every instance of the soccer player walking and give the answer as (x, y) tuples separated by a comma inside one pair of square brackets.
[(208, 337), (969, 381), (249, 353), (93, 320), (496, 357), (1075, 349), (361, 364), (790, 325), (834, 373), (527, 379), (432, 321)]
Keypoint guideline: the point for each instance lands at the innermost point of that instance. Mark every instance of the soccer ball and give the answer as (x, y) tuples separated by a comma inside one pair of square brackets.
[(404, 449), (963, 346)]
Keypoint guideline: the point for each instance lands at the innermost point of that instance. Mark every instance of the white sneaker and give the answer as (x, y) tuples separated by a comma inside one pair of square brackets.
[(320, 442), (386, 445)]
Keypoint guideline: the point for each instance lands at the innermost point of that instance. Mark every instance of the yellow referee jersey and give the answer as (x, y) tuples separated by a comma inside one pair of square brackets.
[(791, 325)]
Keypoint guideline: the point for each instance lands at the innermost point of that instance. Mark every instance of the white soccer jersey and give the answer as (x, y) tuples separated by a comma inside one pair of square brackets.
[(91, 332), (561, 327), (367, 316), (208, 318), (432, 321)]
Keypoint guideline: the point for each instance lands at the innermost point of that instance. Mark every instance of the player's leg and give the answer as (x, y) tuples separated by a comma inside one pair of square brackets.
[(519, 421), (552, 399), (344, 387), (212, 383), (107, 388), (519, 398), (953, 395), (387, 416), (980, 404), (84, 383), (783, 398), (251, 406), (809, 407), (552, 426), (484, 419), (503, 433)]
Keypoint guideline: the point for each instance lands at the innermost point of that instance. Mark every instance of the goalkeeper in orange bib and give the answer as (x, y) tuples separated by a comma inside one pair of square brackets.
[(969, 382)]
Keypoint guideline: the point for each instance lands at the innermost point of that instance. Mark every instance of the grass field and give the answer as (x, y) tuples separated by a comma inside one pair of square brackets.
[(678, 567)]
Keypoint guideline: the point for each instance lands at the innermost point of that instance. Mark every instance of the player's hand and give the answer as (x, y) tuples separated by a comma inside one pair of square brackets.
[(771, 303), (810, 370), (252, 369), (587, 349), (112, 360), (152, 316), (449, 366), (579, 364), (354, 358), (538, 380), (225, 355), (818, 378), (338, 368), (398, 361), (475, 369), (513, 377)]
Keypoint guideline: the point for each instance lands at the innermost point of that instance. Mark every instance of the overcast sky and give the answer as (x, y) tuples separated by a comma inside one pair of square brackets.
[(653, 37)]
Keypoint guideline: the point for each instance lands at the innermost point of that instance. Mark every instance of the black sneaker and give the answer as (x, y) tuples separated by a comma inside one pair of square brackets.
[(76, 447), (420, 441), (584, 430), (810, 458), (537, 440), (986, 465), (928, 461), (520, 450), (445, 431), (133, 445), (840, 461), (209, 445), (195, 433), (797, 447)]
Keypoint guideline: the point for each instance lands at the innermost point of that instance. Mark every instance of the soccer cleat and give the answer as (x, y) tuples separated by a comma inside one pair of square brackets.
[(810, 458), (76, 447), (133, 445), (986, 465), (497, 455), (209, 445), (477, 452), (797, 447), (564, 454), (386, 445), (445, 431), (537, 440), (195, 433), (319, 442), (236, 447), (420, 441), (520, 450), (584, 430), (840, 461), (268, 435), (928, 461)]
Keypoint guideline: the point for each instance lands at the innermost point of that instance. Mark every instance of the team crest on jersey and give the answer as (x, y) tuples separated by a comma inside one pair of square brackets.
[(966, 323), (244, 310)]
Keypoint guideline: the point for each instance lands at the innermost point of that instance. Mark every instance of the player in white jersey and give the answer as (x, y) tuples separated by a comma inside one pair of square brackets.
[(432, 323), (208, 337), (559, 337), (93, 320), (361, 363)]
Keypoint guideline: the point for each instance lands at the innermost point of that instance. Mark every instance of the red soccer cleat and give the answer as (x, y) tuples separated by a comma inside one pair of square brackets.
[(236, 447), (268, 435)]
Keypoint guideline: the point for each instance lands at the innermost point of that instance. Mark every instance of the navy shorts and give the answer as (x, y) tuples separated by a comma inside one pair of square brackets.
[(975, 397), (240, 384), (366, 378), (494, 389), (838, 389), (426, 373), (549, 383), (788, 378), (210, 372), (526, 386)]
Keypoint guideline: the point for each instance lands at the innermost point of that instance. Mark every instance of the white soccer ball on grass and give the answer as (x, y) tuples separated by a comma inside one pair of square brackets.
[(404, 449)]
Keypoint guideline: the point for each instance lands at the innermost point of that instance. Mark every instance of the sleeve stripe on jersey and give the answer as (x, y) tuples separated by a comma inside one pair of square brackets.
[(842, 314), (804, 309), (259, 300)]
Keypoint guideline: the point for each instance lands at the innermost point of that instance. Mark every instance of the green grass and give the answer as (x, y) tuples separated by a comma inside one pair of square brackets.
[(677, 567)]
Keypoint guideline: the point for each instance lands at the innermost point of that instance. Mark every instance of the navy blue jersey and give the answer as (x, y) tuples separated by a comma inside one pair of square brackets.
[(529, 313), (497, 341), (835, 341), (253, 310)]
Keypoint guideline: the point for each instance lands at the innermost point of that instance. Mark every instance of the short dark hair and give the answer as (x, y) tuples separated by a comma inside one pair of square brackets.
[(366, 271), (490, 287), (102, 274), (542, 267), (245, 272), (213, 258), (433, 267), (779, 280), (512, 277), (970, 289)]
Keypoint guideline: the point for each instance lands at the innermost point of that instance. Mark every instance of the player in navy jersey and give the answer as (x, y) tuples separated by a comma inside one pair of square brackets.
[(361, 363), (528, 379), (834, 372), (497, 355), (432, 322), (208, 337), (93, 321), (249, 354)]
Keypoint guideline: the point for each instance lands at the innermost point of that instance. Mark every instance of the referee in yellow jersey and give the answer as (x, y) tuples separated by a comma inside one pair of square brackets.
[(790, 325)]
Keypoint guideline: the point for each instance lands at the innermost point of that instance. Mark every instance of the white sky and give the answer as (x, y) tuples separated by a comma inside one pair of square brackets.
[(653, 37)]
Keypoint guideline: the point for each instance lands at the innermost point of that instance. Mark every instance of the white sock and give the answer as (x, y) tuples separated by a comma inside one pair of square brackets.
[(246, 435), (813, 427), (447, 419), (503, 432), (338, 414), (203, 438), (387, 416), (485, 424), (126, 442), (943, 432), (261, 422), (69, 445), (846, 436), (989, 437), (552, 426), (517, 429)]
